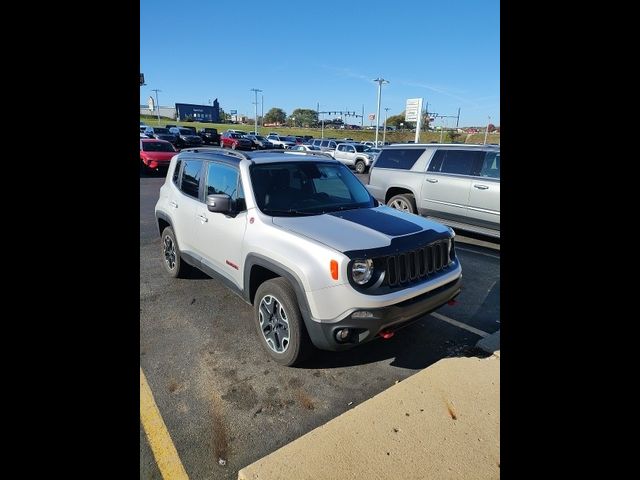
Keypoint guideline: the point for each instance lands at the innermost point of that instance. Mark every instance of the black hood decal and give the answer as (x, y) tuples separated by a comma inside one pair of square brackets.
[(387, 224), (401, 244)]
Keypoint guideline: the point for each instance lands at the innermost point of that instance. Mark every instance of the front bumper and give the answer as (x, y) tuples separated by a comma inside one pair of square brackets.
[(323, 335)]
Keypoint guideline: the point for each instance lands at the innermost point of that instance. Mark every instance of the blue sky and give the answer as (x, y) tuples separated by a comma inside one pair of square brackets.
[(301, 53)]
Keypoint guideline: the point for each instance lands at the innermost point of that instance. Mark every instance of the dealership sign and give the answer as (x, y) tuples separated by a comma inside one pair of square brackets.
[(151, 103), (413, 109)]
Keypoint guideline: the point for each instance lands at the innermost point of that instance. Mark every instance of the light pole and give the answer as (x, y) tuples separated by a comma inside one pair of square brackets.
[(158, 105), (384, 135), (442, 129), (255, 120), (262, 116), (486, 132), (379, 81)]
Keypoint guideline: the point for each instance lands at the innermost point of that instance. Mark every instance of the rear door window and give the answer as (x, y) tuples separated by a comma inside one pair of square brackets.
[(400, 158), (491, 165), (458, 162)]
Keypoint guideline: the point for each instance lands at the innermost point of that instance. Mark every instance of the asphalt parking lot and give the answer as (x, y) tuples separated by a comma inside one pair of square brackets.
[(222, 398)]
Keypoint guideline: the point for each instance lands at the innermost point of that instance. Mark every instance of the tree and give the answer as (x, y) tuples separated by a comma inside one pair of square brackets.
[(222, 115), (452, 135), (275, 115), (491, 127), (396, 120), (304, 117)]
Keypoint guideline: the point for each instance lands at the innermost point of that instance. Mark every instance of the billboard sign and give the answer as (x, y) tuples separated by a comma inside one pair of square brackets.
[(233, 112), (413, 109)]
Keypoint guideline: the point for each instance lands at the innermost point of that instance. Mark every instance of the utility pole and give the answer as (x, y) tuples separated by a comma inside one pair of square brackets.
[(255, 120), (486, 132), (458, 119), (379, 81), (362, 119), (384, 135), (262, 116), (158, 105)]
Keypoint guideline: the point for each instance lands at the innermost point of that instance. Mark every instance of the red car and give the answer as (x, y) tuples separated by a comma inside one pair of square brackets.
[(235, 141), (155, 154)]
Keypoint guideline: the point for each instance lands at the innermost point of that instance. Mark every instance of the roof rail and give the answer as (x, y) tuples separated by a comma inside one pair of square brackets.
[(298, 152), (233, 153)]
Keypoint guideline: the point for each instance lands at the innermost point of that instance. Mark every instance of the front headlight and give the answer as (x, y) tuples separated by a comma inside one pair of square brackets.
[(361, 271)]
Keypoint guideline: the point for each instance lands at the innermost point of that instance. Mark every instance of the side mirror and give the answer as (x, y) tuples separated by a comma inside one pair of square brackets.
[(219, 203)]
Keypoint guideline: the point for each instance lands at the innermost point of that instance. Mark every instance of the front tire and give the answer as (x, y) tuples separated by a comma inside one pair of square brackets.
[(279, 323), (170, 251), (404, 202)]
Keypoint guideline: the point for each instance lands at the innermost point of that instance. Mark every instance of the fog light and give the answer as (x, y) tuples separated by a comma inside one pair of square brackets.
[(343, 334), (362, 314)]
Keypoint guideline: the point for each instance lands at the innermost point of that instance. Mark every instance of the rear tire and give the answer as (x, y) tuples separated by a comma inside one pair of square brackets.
[(282, 332), (404, 202), (170, 252), (360, 166)]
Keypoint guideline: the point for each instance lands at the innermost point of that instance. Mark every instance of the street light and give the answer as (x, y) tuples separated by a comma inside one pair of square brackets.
[(379, 81), (384, 135), (158, 105), (486, 132), (255, 119)]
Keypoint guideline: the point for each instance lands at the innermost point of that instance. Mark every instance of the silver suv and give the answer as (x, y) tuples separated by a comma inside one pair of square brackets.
[(300, 239), (354, 155), (456, 184)]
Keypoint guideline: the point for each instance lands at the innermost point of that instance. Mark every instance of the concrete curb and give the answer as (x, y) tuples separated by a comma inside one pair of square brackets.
[(442, 422), (490, 344)]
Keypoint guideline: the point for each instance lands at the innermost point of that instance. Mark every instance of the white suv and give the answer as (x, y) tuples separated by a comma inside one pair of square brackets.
[(300, 239)]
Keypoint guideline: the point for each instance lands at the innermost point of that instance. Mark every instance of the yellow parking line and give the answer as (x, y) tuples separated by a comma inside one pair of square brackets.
[(158, 436)]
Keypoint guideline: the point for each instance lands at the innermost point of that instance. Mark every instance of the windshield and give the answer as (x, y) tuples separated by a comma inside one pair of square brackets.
[(307, 188), (160, 130), (157, 147), (361, 148), (185, 131)]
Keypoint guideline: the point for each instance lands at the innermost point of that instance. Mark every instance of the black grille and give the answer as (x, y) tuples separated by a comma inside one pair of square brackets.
[(415, 265)]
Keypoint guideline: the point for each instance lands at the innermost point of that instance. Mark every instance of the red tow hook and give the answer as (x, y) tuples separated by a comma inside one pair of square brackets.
[(386, 334)]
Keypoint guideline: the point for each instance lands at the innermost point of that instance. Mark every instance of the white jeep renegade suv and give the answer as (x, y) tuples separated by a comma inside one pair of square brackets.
[(302, 240)]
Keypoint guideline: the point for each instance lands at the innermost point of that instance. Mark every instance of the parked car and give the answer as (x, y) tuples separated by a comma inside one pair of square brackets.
[(304, 148), (456, 184), (161, 133), (260, 142), (354, 155), (280, 142), (143, 127), (155, 154), (303, 243), (168, 125), (235, 141), (186, 137), (326, 145), (239, 132), (210, 136)]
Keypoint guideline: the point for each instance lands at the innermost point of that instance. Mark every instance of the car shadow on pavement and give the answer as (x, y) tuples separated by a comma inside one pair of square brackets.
[(406, 348)]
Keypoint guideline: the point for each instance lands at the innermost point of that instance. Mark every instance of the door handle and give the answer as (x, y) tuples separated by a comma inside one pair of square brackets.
[(432, 180), (173, 204), (481, 187), (203, 218)]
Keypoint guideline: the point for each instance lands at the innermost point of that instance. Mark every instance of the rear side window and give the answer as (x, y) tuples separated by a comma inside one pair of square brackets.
[(459, 162), (491, 165), (191, 177), (176, 172), (400, 158)]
